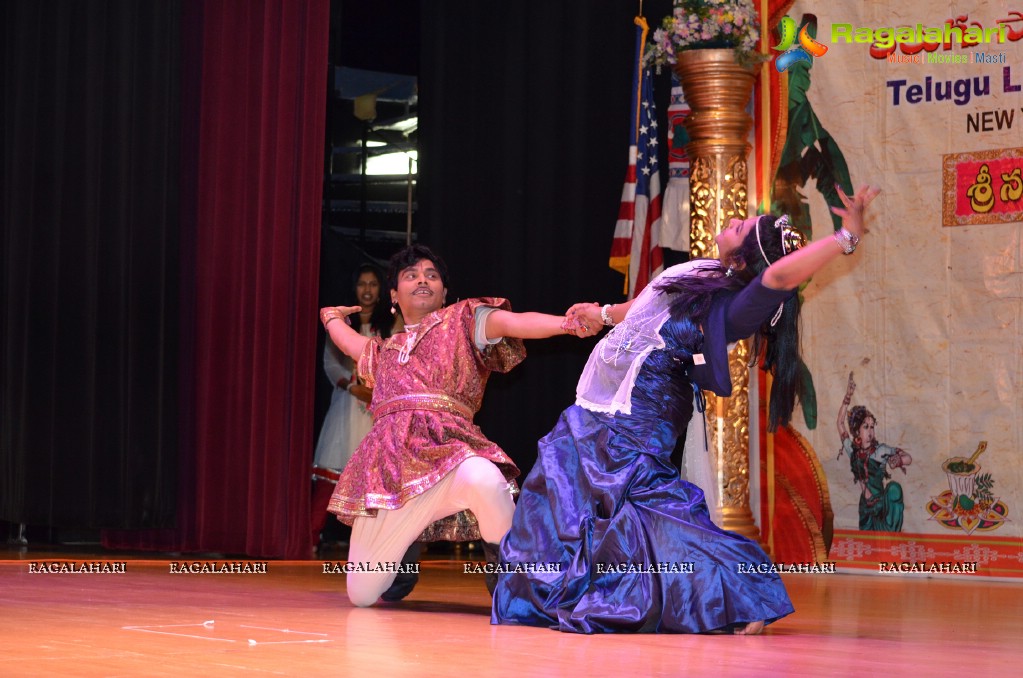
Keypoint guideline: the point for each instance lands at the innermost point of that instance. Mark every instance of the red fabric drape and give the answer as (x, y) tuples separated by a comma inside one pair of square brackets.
[(261, 129), (775, 118), (776, 9), (252, 180)]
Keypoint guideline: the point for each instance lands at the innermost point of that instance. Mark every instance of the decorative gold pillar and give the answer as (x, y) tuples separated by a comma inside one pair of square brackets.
[(718, 90)]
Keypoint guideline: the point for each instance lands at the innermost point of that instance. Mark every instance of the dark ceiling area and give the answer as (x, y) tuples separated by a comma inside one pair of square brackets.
[(376, 36), (365, 218), (372, 89)]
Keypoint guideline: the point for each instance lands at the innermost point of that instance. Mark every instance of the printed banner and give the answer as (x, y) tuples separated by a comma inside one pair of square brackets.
[(915, 342)]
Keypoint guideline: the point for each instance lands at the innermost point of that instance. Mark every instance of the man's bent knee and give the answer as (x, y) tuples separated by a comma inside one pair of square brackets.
[(364, 593), (362, 598)]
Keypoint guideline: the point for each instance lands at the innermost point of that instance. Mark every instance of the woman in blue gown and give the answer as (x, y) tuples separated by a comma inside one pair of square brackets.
[(606, 536)]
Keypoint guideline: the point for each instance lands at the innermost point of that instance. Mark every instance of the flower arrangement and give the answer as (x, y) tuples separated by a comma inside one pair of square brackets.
[(707, 24)]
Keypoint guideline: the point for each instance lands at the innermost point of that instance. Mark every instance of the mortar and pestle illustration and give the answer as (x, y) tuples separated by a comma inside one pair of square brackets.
[(962, 477)]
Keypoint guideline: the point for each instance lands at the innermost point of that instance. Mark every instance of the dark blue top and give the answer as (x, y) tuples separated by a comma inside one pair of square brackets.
[(734, 315)]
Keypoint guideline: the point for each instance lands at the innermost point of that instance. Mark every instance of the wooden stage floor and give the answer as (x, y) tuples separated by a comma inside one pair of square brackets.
[(295, 620)]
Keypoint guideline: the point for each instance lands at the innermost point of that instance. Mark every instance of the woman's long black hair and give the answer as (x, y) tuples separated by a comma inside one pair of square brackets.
[(779, 344), (381, 319)]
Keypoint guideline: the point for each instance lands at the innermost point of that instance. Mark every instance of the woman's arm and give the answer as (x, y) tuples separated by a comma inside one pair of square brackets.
[(534, 325), (591, 314), (843, 426), (344, 337), (336, 365), (843, 420), (791, 271)]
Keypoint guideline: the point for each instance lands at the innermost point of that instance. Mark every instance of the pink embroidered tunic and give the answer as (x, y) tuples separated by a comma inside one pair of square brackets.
[(428, 383)]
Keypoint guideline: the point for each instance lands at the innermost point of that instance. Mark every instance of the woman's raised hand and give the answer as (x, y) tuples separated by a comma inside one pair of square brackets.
[(852, 212)]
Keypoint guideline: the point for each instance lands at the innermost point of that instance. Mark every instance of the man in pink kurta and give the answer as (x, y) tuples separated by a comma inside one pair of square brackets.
[(422, 415), (424, 471)]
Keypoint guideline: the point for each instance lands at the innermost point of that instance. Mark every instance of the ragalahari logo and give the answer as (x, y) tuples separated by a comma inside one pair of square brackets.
[(807, 46)]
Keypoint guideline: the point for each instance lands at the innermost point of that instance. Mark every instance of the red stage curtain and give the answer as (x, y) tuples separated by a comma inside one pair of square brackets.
[(261, 129), (254, 99)]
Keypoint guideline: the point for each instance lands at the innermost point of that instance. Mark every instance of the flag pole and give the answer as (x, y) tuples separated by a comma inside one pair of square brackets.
[(641, 22), (635, 248)]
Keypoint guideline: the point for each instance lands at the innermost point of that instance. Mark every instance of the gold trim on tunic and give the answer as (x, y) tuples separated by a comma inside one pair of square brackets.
[(437, 402)]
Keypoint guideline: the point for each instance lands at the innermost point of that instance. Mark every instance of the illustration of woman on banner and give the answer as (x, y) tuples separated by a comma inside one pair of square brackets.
[(881, 501)]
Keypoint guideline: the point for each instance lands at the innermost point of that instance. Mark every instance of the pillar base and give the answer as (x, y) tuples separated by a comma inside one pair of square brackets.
[(740, 519)]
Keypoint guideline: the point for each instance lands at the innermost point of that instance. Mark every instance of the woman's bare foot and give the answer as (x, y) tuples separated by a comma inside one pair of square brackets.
[(751, 629)]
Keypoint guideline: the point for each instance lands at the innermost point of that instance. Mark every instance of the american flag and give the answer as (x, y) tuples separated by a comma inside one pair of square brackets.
[(675, 212), (636, 250)]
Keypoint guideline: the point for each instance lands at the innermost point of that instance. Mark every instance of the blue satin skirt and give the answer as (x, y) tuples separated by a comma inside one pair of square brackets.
[(607, 538)]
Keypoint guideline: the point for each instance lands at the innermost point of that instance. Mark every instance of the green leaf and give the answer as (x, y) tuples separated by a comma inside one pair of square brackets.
[(808, 396)]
